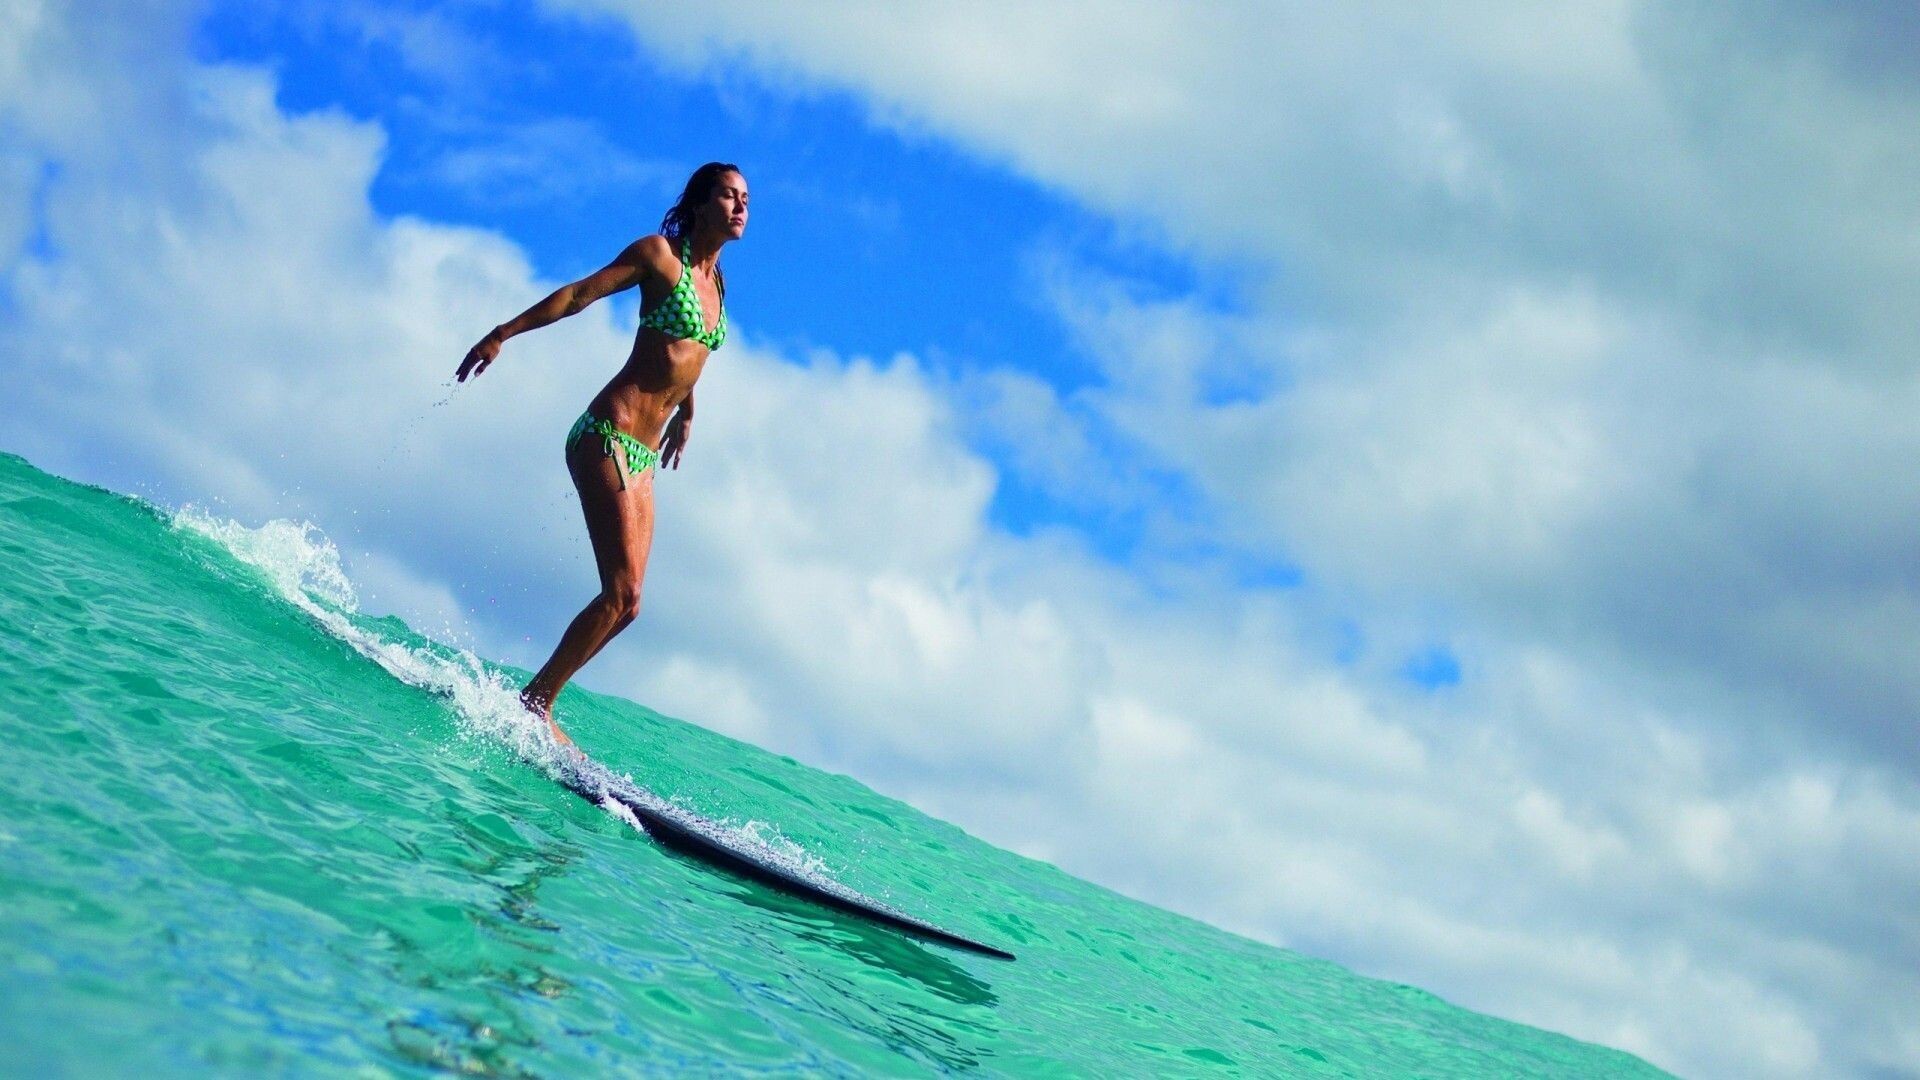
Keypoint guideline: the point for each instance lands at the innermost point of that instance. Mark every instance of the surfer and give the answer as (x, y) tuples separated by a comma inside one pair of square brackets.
[(643, 417)]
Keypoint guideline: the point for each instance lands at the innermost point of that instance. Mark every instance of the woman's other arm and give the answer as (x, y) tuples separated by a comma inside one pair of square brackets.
[(678, 430)]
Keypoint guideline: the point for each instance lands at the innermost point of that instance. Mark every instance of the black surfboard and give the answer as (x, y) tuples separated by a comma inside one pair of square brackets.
[(686, 832)]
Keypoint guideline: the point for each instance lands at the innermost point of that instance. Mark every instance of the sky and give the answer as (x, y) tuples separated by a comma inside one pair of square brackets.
[(1423, 486)]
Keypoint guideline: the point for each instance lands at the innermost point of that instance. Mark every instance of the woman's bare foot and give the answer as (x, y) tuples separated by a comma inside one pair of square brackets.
[(544, 710)]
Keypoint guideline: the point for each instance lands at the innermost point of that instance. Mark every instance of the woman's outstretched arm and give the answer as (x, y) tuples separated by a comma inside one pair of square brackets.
[(624, 272)]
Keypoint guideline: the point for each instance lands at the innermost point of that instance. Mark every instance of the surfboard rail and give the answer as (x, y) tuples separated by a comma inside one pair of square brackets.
[(681, 830)]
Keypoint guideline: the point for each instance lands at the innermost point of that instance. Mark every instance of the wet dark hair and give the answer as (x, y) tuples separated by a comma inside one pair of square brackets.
[(679, 220)]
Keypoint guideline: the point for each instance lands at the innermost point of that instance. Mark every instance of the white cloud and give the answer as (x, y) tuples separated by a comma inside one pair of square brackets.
[(1578, 848), (1566, 838), (682, 683)]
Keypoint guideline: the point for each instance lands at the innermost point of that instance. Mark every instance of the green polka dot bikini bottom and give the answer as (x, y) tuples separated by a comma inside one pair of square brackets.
[(639, 456)]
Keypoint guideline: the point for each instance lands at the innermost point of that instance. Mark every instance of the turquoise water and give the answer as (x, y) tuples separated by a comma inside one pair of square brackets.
[(245, 829)]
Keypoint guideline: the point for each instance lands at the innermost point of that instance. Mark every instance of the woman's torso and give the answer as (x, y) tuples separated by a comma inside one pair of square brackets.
[(662, 367)]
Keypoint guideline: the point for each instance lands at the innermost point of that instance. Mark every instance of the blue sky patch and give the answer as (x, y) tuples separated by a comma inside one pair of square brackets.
[(1432, 668)]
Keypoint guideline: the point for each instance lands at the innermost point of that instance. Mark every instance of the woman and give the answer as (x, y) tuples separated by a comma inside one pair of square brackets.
[(615, 445)]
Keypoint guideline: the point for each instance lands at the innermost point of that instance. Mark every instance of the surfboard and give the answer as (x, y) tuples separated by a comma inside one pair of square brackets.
[(679, 829)]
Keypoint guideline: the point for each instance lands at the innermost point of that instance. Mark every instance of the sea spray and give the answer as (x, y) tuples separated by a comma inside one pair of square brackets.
[(304, 569)]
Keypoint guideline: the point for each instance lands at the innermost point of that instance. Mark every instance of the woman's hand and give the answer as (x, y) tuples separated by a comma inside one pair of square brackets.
[(478, 357), (675, 440)]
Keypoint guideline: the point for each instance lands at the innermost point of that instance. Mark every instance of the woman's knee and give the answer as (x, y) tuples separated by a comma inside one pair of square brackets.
[(624, 598)]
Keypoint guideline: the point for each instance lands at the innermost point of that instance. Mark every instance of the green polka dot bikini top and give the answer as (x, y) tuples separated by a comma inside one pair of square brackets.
[(679, 315)]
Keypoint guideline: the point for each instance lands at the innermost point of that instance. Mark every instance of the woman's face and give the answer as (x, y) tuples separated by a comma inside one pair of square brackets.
[(726, 208)]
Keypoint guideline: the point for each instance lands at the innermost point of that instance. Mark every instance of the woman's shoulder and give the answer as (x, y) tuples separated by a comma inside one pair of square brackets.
[(653, 249), (654, 244), (653, 256)]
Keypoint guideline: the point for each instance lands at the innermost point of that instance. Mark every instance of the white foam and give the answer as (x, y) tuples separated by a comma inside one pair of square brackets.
[(619, 809), (789, 854), (304, 568)]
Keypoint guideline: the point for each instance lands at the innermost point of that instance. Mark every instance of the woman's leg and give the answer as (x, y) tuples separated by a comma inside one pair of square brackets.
[(620, 524)]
